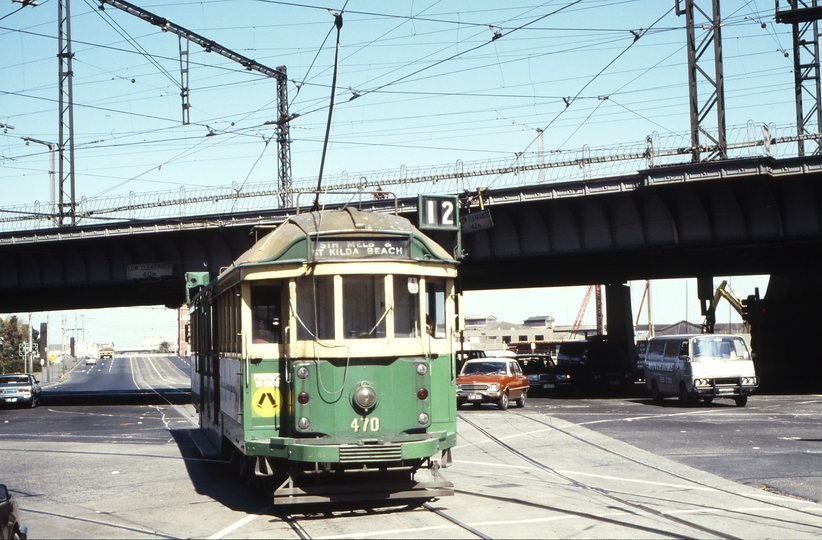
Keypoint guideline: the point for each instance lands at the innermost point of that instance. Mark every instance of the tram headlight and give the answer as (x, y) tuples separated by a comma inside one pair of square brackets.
[(365, 397), (303, 423), (423, 419), (302, 372), (422, 369)]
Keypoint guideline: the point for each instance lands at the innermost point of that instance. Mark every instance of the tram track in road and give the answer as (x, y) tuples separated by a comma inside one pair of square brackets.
[(321, 513), (628, 499), (456, 522), (669, 472)]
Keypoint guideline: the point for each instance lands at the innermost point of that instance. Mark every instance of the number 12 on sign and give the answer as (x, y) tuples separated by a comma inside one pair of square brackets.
[(438, 212)]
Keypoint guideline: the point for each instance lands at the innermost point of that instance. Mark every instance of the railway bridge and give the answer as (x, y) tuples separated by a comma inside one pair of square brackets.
[(735, 217)]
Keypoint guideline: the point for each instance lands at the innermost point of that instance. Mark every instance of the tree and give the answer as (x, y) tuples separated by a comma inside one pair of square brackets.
[(12, 333), (165, 347)]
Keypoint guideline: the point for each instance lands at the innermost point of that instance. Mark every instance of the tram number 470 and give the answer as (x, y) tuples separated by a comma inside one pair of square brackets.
[(438, 212), (365, 425)]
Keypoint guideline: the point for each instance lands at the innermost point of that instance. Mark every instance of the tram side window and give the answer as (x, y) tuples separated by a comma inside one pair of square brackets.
[(265, 313), (364, 306), (315, 307), (435, 307), (406, 306)]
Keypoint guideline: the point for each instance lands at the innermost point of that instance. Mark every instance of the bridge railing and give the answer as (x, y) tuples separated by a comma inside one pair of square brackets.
[(527, 169)]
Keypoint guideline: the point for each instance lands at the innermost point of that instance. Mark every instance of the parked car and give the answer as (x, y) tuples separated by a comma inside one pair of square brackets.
[(467, 354), (20, 388), (10, 527), (540, 370), (492, 380), (593, 366)]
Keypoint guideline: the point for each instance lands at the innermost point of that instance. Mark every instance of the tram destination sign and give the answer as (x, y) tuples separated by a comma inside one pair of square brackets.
[(361, 248)]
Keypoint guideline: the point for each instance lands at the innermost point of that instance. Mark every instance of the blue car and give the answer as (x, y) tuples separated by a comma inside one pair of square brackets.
[(20, 389)]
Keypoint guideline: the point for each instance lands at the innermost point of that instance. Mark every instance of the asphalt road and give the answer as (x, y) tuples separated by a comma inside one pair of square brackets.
[(775, 442), (110, 454)]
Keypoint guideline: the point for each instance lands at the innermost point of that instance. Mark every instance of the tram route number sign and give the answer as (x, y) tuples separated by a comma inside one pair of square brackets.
[(149, 270), (439, 212)]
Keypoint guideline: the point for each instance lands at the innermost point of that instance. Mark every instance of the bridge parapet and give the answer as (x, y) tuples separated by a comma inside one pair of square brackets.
[(523, 170)]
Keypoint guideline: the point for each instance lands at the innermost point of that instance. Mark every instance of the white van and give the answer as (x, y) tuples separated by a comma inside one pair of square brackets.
[(700, 366)]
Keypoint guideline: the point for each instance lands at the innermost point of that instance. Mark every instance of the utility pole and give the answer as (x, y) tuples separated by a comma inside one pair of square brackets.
[(51, 147), (29, 368), (279, 74)]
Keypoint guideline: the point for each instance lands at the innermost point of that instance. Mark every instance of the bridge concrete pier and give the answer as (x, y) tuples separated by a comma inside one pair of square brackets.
[(785, 330), (620, 319)]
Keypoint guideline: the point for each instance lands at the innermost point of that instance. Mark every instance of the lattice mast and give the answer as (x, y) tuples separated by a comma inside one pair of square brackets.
[(700, 74), (804, 16), (279, 74), (66, 210)]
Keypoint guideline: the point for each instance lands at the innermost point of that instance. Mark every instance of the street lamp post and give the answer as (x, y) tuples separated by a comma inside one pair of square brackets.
[(52, 147)]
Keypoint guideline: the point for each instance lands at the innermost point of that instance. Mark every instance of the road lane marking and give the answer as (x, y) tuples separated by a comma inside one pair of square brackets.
[(233, 527)]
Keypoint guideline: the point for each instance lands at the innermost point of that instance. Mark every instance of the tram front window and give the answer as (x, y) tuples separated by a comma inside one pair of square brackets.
[(435, 308), (265, 313), (364, 306), (315, 307), (406, 306)]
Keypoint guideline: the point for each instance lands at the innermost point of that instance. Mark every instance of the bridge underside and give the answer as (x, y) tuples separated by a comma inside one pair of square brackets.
[(93, 273), (729, 227), (733, 218)]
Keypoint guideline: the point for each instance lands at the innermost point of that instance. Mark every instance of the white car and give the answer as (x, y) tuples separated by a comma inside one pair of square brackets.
[(91, 361)]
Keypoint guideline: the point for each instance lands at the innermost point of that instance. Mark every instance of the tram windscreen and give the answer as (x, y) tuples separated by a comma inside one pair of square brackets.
[(435, 307), (364, 306), (315, 307), (265, 313), (406, 306)]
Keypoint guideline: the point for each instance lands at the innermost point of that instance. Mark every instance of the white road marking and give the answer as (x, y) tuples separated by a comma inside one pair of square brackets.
[(234, 527)]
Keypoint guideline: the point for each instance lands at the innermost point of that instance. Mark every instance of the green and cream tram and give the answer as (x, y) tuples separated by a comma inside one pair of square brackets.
[(323, 359)]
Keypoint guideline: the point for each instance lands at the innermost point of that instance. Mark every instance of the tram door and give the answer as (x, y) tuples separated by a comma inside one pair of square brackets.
[(212, 371)]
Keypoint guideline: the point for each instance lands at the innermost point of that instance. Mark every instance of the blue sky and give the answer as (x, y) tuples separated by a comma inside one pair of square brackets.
[(432, 84)]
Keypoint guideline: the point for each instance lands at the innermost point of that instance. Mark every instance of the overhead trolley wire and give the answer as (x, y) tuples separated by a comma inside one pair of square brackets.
[(570, 100), (122, 32)]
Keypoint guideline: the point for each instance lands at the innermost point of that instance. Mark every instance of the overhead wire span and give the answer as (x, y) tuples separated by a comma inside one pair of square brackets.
[(569, 100)]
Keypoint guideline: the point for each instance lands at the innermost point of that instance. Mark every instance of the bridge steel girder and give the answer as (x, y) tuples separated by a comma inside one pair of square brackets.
[(757, 216), (652, 229), (91, 273)]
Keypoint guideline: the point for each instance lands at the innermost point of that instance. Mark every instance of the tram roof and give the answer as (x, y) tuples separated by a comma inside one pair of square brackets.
[(291, 241)]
